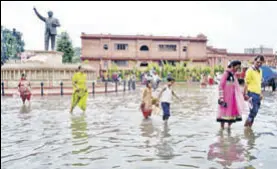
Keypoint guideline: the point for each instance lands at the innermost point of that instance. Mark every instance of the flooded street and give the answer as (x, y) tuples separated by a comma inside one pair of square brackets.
[(113, 134)]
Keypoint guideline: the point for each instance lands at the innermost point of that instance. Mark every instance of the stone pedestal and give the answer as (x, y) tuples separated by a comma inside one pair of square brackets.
[(42, 57)]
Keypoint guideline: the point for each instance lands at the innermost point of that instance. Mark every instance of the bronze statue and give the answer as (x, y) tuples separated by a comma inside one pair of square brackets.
[(51, 25)]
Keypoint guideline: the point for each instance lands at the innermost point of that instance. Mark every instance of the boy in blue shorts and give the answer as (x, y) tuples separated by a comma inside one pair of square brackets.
[(165, 98)]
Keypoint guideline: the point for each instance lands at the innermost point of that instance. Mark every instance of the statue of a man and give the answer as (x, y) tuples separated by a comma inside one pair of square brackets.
[(51, 25)]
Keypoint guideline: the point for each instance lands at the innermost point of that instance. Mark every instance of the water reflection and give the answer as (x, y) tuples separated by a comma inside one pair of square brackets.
[(118, 138), (147, 128), (24, 112), (166, 130), (226, 150), (162, 136), (250, 137), (25, 109), (79, 131), (164, 149)]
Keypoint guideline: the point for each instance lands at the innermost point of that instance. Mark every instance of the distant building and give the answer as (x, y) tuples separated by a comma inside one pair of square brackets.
[(129, 51), (260, 50)]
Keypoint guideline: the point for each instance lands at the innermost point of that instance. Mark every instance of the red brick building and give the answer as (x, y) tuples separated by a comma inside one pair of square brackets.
[(129, 51)]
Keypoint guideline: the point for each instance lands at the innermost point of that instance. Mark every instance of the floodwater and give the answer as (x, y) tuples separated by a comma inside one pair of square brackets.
[(113, 134)]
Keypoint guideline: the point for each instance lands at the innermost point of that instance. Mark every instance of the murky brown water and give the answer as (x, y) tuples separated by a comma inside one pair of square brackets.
[(113, 134)]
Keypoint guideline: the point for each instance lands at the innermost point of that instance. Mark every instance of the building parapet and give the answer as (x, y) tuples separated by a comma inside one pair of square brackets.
[(200, 38)]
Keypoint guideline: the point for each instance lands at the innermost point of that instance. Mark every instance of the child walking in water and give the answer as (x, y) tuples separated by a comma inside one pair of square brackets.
[(146, 105), (166, 98)]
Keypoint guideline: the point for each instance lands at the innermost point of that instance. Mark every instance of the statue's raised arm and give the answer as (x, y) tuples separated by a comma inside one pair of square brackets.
[(39, 16)]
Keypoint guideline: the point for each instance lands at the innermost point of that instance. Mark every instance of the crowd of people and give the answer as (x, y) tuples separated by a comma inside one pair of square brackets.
[(152, 77), (231, 101)]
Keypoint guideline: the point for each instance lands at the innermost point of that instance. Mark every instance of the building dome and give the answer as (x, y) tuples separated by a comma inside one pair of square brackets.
[(201, 35)]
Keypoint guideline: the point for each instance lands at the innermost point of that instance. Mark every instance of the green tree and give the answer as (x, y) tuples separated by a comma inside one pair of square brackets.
[(64, 44), (11, 44), (219, 69), (77, 55), (155, 66), (206, 70), (112, 69), (167, 68)]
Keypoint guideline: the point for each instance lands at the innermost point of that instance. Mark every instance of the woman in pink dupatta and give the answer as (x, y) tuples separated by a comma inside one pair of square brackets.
[(231, 101), (24, 88)]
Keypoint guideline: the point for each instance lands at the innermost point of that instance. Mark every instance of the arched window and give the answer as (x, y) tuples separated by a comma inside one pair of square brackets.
[(105, 47), (144, 48)]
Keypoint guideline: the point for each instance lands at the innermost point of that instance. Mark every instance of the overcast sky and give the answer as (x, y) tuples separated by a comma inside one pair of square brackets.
[(231, 25)]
